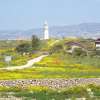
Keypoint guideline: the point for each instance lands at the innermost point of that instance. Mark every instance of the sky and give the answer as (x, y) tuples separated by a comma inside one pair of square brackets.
[(29, 14)]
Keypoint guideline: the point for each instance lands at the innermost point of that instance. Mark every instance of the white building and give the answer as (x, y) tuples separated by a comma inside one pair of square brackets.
[(97, 44), (46, 31)]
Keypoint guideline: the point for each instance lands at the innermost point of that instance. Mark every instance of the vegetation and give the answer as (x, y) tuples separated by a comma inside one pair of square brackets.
[(44, 93), (25, 47), (81, 63), (35, 42), (56, 48), (17, 58), (79, 52), (59, 64)]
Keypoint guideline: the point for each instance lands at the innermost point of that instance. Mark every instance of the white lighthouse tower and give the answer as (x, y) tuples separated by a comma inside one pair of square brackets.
[(46, 31)]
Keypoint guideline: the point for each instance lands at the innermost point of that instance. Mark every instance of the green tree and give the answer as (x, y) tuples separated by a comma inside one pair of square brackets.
[(24, 47), (35, 42)]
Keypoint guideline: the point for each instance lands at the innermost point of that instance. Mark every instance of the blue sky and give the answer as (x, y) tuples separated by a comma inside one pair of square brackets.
[(27, 14)]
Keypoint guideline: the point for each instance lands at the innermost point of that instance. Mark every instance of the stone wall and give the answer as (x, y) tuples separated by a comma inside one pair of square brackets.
[(51, 83)]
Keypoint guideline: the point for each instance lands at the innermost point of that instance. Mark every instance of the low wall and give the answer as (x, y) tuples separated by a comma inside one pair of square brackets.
[(51, 83)]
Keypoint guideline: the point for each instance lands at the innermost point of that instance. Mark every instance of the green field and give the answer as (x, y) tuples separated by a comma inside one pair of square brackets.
[(59, 64), (48, 68)]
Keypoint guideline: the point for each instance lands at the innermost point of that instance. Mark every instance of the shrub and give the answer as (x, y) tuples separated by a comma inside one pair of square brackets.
[(79, 52), (25, 47), (56, 48)]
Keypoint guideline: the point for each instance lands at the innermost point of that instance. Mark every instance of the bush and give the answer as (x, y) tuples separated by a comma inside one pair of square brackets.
[(79, 52), (25, 47), (56, 48)]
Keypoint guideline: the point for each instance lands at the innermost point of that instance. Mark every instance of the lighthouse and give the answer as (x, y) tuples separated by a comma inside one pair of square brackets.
[(46, 31)]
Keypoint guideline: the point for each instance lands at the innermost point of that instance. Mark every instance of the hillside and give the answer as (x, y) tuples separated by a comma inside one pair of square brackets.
[(81, 30)]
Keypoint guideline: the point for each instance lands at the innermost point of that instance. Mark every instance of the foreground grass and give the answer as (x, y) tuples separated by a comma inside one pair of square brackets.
[(44, 93)]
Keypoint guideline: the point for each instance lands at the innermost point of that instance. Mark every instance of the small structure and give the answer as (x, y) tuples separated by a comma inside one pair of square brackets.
[(8, 59), (74, 45), (97, 44)]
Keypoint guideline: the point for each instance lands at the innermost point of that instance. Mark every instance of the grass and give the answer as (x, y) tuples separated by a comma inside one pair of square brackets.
[(44, 93), (49, 73), (17, 59), (57, 66), (65, 60)]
